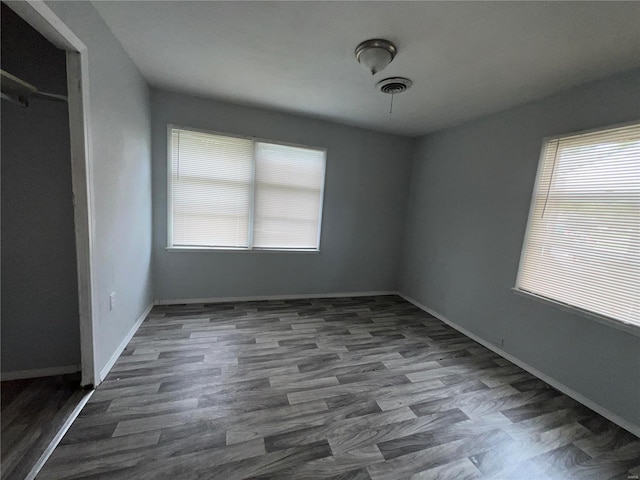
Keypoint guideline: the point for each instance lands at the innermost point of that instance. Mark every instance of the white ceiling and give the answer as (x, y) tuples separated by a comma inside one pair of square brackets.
[(466, 59)]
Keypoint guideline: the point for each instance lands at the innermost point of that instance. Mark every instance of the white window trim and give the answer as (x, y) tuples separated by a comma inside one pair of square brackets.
[(177, 248), (239, 250), (611, 322), (565, 307)]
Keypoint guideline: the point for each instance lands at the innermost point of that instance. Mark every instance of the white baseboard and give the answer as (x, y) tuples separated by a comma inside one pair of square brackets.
[(125, 341), (40, 372), (178, 301), (635, 429)]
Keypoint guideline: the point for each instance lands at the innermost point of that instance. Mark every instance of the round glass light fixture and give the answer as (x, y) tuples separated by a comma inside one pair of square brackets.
[(376, 54)]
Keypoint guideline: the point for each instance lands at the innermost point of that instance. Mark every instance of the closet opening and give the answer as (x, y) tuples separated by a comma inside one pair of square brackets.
[(46, 323)]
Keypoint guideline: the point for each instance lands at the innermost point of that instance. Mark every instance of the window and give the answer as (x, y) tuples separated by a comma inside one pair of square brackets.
[(582, 246), (241, 193)]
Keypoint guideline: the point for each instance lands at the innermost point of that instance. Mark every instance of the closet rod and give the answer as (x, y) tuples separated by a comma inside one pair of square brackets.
[(18, 91), (21, 101), (50, 96)]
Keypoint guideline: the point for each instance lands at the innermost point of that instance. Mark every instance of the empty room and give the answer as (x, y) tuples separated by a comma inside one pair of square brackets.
[(320, 240)]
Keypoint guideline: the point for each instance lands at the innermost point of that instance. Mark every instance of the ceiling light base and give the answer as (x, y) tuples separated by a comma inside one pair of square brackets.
[(375, 54)]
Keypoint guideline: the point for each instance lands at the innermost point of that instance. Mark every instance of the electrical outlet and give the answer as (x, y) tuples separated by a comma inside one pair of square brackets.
[(112, 301)]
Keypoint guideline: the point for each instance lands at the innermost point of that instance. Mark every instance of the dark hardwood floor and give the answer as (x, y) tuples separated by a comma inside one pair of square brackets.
[(341, 388), (33, 410)]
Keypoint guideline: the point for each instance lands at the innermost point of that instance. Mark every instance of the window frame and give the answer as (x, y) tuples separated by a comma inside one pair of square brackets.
[(566, 307), (250, 248)]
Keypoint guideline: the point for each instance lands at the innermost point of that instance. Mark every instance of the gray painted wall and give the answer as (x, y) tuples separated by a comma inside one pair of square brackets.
[(469, 201), (363, 218), (120, 158), (40, 324)]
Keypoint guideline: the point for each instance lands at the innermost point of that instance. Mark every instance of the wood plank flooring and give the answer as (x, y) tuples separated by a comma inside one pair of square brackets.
[(33, 410), (340, 388)]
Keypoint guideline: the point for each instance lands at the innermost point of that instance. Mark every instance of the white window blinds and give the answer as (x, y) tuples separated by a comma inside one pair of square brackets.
[(582, 246), (287, 197), (230, 192), (211, 179)]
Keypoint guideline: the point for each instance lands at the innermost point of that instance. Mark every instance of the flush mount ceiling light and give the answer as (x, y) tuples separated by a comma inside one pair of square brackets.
[(376, 54)]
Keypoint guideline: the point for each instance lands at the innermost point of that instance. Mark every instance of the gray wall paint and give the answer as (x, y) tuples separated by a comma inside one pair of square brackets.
[(40, 324), (364, 207), (120, 158), (469, 201)]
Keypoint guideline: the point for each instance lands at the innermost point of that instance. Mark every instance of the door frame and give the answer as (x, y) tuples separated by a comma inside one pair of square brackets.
[(37, 14)]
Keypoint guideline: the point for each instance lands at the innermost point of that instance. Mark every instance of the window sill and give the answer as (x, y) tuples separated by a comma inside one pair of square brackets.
[(617, 324), (239, 250)]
